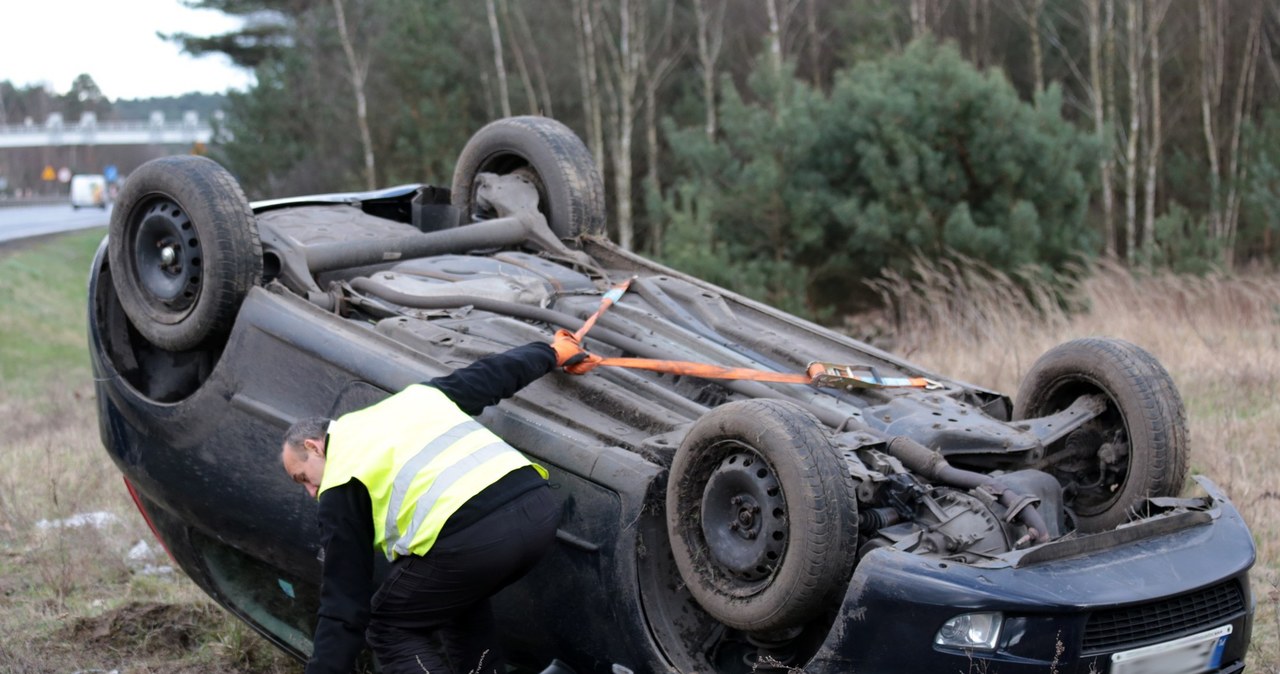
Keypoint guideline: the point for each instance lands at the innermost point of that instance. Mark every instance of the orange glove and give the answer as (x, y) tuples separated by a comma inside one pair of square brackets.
[(566, 346), (569, 353), (582, 363)]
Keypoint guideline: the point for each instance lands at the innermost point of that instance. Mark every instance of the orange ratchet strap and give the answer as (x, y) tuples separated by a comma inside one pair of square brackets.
[(614, 294), (824, 375), (706, 371)]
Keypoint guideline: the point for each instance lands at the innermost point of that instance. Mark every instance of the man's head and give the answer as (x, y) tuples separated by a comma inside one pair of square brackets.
[(302, 452)]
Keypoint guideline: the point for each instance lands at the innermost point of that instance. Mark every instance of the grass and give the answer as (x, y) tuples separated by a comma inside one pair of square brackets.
[(71, 597), (42, 325), (1218, 336)]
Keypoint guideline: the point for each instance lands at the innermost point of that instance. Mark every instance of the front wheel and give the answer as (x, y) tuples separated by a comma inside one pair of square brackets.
[(761, 515), (1138, 447)]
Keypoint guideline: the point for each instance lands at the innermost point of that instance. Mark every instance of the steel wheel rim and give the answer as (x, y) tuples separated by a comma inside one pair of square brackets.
[(744, 517), (167, 257)]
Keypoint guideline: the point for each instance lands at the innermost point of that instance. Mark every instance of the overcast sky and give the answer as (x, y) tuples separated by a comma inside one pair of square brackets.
[(53, 41)]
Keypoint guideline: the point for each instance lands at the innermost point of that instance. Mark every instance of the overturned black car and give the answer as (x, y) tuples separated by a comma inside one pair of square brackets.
[(873, 518)]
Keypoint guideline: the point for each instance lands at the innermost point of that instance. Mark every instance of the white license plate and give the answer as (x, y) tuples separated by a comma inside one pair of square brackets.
[(1188, 655)]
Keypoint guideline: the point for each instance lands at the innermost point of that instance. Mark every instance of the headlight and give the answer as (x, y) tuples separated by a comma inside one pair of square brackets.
[(975, 631)]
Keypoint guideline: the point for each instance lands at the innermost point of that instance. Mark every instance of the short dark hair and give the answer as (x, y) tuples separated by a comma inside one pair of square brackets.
[(308, 428)]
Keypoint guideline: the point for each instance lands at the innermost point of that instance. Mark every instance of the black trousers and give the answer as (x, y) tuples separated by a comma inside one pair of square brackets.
[(432, 614)]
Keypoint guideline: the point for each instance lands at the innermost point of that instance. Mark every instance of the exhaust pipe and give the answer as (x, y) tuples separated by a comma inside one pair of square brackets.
[(935, 467)]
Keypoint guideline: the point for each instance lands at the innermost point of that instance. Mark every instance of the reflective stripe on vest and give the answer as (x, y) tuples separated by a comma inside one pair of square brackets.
[(421, 458), (435, 493)]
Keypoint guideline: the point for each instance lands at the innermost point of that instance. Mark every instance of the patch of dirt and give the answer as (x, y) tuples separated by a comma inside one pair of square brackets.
[(143, 627), (7, 590)]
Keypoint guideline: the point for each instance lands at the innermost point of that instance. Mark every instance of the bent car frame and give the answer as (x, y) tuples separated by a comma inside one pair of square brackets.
[(883, 519)]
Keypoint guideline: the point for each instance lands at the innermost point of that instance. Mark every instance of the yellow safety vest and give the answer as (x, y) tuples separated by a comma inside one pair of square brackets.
[(421, 458)]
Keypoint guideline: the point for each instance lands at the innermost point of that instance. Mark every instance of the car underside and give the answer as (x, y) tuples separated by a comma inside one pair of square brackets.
[(875, 517)]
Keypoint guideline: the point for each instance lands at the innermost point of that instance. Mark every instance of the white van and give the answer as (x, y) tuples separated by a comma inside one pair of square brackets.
[(88, 190)]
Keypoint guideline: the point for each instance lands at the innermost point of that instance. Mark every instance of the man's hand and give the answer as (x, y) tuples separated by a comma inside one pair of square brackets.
[(582, 363), (566, 346), (569, 354)]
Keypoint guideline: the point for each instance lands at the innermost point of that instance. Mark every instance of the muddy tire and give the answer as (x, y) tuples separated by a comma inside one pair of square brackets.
[(570, 190), (184, 251), (1137, 448), (761, 515)]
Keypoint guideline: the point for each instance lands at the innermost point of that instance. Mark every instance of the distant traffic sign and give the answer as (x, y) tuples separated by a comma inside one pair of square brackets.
[(110, 172), (48, 175), (64, 175)]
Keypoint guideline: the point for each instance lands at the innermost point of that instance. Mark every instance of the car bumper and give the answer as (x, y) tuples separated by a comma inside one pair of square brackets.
[(1065, 614)]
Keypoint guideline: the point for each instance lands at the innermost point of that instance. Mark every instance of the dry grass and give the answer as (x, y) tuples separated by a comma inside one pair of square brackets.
[(71, 597), (1218, 336)]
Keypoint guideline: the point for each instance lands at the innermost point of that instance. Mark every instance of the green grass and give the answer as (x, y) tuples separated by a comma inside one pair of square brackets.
[(42, 311)]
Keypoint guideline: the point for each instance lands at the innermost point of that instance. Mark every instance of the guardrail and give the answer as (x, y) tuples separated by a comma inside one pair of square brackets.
[(52, 200), (110, 133)]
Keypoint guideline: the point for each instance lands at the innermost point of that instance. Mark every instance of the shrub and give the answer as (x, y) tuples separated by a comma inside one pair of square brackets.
[(915, 154)]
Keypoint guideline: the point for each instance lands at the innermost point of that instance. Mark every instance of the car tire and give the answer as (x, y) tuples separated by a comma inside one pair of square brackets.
[(1144, 422), (570, 190), (184, 250), (761, 515)]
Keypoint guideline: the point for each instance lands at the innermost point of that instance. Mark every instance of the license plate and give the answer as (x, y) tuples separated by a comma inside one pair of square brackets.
[(1189, 655)]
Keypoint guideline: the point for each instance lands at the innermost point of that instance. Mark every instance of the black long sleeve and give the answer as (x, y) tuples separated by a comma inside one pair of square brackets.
[(346, 532), (493, 378)]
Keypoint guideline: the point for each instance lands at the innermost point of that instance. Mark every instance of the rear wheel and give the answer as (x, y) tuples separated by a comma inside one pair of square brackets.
[(551, 156), (761, 515), (1136, 448), (184, 250)]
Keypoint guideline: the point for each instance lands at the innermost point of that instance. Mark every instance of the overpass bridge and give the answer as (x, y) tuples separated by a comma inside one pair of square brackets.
[(56, 132)]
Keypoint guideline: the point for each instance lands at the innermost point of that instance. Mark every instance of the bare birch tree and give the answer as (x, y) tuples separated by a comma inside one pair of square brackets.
[(710, 38), (775, 37), (1111, 147), (539, 72), (814, 37), (1135, 50), (504, 97), (1237, 171), (978, 31), (592, 107), (1099, 93), (1225, 195), (624, 51), (1210, 95), (659, 59), (526, 77), (1031, 14), (358, 72), (1156, 11), (919, 10)]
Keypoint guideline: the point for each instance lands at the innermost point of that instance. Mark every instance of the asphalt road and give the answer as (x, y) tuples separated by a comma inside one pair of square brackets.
[(21, 222)]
